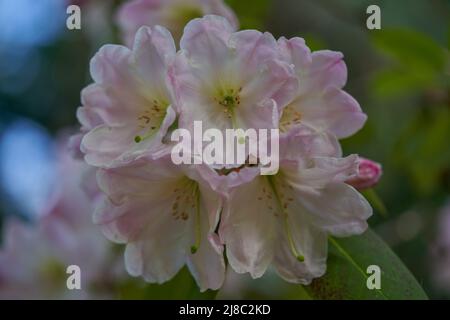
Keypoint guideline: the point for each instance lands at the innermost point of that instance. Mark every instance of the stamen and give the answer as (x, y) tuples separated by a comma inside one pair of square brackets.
[(229, 99), (292, 246), (150, 132), (198, 230), (154, 112)]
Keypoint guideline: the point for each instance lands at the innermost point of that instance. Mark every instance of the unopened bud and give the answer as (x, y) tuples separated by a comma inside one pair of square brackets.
[(369, 172)]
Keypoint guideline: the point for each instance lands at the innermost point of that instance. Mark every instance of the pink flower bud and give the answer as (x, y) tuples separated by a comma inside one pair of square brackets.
[(369, 172)]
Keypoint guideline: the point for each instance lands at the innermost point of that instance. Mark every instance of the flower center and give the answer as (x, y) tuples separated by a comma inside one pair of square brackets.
[(228, 100)]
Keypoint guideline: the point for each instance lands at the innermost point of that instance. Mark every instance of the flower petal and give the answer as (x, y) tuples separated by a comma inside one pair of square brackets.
[(153, 49), (337, 208), (160, 252), (207, 265), (331, 110), (302, 143), (327, 69), (104, 144), (296, 52), (205, 40), (324, 170), (274, 80), (110, 65), (311, 242), (248, 227)]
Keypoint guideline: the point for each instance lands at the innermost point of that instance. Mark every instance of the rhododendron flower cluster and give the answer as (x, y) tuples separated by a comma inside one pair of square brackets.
[(170, 215)]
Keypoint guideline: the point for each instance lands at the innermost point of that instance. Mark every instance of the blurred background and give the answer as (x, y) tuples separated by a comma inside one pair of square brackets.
[(400, 75)]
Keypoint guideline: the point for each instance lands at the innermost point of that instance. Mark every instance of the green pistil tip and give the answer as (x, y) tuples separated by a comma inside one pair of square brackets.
[(228, 100), (137, 139), (300, 258), (194, 249)]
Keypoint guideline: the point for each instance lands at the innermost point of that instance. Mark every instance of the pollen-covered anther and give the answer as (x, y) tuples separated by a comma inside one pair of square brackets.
[(182, 201), (229, 99), (150, 115)]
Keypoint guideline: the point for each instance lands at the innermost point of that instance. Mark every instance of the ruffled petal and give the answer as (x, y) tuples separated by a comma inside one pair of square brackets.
[(320, 100), (295, 51), (104, 144), (327, 69), (323, 170), (205, 41), (218, 7), (302, 143), (331, 110), (337, 208), (153, 49)]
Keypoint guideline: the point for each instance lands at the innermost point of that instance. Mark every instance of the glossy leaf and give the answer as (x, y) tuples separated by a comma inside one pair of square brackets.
[(346, 277)]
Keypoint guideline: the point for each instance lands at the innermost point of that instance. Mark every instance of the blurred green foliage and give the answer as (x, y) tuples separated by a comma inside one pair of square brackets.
[(418, 62), (251, 14)]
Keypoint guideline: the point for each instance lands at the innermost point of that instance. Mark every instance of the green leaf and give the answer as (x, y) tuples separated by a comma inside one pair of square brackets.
[(346, 276)]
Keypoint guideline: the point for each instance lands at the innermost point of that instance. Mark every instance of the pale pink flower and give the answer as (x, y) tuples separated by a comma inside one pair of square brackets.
[(320, 101), (34, 256), (128, 109), (32, 266), (230, 79), (369, 173), (285, 219), (166, 214), (34, 259), (172, 14)]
